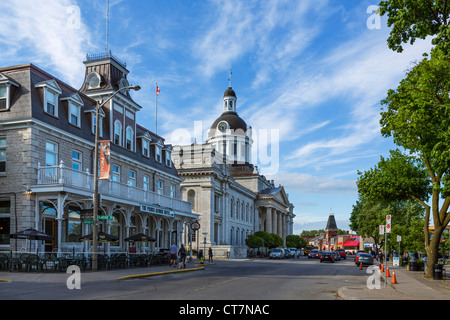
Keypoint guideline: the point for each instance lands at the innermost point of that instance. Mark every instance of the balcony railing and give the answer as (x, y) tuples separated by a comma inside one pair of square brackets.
[(62, 175)]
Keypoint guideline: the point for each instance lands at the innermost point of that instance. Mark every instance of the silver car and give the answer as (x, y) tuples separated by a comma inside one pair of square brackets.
[(276, 254)]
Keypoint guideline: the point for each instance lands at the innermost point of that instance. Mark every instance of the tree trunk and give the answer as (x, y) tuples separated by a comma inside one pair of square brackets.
[(432, 251)]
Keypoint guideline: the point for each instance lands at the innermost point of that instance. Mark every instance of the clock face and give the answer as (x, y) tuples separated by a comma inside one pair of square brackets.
[(93, 80), (223, 126)]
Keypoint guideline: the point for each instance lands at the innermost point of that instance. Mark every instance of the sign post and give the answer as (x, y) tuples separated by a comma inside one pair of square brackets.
[(388, 230)]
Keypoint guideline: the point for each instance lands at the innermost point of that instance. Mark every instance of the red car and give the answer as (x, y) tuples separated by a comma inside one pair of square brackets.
[(342, 253)]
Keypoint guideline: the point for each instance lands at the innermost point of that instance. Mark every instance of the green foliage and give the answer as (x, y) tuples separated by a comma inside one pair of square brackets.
[(417, 19), (395, 178), (293, 241)]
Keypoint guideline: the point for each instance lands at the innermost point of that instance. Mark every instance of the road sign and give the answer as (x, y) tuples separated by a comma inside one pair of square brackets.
[(381, 229), (88, 221), (399, 238), (195, 225), (388, 223), (103, 217)]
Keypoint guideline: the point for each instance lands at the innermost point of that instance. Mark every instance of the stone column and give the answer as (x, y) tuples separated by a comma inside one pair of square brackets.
[(269, 219)]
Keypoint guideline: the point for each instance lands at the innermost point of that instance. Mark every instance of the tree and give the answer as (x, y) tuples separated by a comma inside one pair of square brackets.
[(418, 19), (407, 216), (293, 241)]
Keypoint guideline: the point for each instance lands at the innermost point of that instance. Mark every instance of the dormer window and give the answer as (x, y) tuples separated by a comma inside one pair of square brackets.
[(3, 97), (145, 148), (51, 95), (51, 103), (7, 89), (74, 109), (168, 158), (94, 120), (158, 151)]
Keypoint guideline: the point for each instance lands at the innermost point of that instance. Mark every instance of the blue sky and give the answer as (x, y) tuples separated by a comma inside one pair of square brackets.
[(308, 74)]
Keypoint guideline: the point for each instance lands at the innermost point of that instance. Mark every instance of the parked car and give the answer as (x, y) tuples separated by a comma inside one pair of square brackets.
[(337, 256), (342, 253), (288, 253), (327, 256), (365, 259), (276, 253), (313, 254), (357, 256), (294, 252)]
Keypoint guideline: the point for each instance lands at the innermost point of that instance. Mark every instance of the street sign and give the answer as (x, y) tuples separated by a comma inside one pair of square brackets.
[(103, 217), (195, 225), (381, 229), (388, 223), (88, 221), (399, 238)]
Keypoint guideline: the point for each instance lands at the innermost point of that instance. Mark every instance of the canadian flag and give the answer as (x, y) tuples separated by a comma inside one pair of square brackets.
[(157, 90)]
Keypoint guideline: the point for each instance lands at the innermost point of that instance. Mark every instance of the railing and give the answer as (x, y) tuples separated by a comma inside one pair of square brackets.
[(60, 174), (104, 55)]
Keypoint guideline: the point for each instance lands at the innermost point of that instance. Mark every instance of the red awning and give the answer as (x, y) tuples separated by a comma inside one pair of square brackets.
[(352, 242)]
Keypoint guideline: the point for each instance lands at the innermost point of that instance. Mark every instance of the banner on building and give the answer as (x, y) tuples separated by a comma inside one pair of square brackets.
[(104, 159)]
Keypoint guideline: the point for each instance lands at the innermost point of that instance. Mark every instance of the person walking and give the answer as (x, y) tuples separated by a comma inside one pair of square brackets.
[(173, 255), (210, 255), (182, 254)]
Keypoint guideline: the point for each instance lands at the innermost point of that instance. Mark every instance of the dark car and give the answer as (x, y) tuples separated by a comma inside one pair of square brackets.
[(326, 256), (342, 253), (313, 254), (365, 259), (357, 256)]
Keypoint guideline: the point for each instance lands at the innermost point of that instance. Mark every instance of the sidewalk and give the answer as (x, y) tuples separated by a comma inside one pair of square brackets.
[(412, 285), (103, 275)]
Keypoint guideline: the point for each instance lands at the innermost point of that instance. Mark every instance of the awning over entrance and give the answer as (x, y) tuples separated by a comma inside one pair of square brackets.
[(352, 242)]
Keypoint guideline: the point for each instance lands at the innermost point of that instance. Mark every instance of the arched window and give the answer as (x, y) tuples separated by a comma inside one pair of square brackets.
[(129, 139), (191, 198), (232, 208), (118, 132)]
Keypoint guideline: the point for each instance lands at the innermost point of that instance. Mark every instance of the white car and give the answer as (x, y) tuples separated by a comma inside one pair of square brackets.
[(276, 254)]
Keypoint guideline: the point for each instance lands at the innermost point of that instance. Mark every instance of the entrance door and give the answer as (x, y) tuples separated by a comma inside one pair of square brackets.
[(51, 228), (132, 244)]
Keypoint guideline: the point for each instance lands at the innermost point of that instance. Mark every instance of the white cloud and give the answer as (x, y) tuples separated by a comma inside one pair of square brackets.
[(303, 183), (48, 33)]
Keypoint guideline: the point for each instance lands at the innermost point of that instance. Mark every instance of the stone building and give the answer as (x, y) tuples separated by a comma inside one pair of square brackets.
[(47, 134), (226, 190)]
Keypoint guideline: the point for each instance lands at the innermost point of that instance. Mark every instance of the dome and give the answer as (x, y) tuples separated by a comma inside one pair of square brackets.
[(229, 93), (234, 121)]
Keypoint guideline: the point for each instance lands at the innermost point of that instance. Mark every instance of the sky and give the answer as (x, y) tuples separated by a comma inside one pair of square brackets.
[(309, 77)]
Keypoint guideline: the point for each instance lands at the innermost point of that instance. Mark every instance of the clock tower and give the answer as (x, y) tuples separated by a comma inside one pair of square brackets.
[(229, 134)]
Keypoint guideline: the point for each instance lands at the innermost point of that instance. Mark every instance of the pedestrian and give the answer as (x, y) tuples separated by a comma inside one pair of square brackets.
[(210, 254), (173, 255), (182, 254)]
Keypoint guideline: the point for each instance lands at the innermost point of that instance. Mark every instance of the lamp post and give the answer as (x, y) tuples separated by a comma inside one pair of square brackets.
[(95, 195)]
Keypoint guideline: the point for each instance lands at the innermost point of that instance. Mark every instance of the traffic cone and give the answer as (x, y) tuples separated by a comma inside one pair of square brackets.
[(387, 272), (382, 268), (360, 266), (394, 279)]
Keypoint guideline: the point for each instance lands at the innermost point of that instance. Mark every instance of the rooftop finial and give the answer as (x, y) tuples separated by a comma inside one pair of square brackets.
[(229, 77)]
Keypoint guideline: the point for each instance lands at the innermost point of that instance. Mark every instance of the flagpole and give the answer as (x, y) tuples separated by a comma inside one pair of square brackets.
[(156, 108)]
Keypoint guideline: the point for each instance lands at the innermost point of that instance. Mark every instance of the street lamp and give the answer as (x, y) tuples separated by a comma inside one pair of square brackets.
[(95, 195)]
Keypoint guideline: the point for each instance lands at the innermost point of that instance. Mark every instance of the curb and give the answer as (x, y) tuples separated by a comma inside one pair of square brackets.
[(158, 273), (5, 280)]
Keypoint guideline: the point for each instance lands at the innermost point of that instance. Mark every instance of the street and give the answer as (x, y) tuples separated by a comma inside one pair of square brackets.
[(253, 279)]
